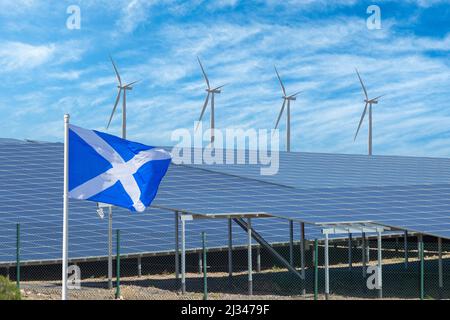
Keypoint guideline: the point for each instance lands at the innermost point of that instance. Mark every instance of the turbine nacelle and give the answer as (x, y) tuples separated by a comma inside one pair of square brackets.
[(125, 88)]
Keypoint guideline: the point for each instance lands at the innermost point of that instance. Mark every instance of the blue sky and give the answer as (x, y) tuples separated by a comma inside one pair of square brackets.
[(48, 70)]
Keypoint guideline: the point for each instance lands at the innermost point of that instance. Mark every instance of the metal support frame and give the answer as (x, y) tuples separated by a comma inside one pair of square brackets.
[(200, 263), (205, 268), (258, 259), (177, 247), (183, 254), (139, 266), (421, 266), (257, 237), (18, 256), (350, 258), (230, 249), (440, 269), (327, 269), (363, 252), (110, 248), (302, 255), (418, 246), (291, 242), (316, 268), (249, 252), (380, 265), (118, 264), (349, 228), (406, 249)]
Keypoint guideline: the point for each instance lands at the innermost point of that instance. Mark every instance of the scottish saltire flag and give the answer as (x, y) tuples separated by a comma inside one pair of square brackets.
[(105, 168)]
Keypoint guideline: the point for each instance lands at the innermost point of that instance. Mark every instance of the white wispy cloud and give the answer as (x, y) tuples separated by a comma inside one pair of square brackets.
[(19, 55), (16, 55), (315, 55)]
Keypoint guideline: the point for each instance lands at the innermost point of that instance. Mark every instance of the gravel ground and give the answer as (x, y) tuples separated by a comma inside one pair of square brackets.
[(266, 284)]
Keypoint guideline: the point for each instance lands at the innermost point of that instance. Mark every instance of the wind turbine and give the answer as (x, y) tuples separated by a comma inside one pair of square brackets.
[(211, 92), (286, 100), (123, 88), (368, 105)]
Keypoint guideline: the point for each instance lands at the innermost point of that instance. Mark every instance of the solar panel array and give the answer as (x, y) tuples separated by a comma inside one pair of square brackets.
[(421, 208), (322, 170), (404, 192), (31, 194)]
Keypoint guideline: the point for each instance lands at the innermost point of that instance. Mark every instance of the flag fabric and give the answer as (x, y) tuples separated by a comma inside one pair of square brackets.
[(105, 168)]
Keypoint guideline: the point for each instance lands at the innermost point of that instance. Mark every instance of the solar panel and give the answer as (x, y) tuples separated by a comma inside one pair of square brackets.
[(421, 208), (322, 170), (31, 194), (31, 186)]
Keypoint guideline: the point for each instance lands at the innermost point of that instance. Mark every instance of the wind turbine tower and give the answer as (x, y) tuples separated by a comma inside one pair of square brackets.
[(122, 88), (210, 92), (368, 105), (286, 101)]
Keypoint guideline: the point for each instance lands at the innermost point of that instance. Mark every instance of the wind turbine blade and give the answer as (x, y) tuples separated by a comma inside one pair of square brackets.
[(220, 86), (204, 73), (360, 121), (203, 111), (374, 99), (295, 94), (281, 113), (362, 84), (131, 83), (114, 109), (117, 72), (281, 82)]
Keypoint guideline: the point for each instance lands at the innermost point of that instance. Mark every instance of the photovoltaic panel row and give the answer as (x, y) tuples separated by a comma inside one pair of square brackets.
[(319, 170), (423, 208), (31, 194)]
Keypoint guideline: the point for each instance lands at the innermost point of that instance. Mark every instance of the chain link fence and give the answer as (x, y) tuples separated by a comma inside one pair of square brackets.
[(352, 269)]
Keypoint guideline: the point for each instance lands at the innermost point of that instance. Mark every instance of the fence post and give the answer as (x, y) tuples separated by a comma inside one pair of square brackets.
[(441, 278), (18, 256), (350, 258), (316, 269), (302, 256), (177, 248), (380, 265), (422, 269), (118, 265), (363, 254), (110, 245), (230, 250), (405, 244), (291, 242), (205, 272)]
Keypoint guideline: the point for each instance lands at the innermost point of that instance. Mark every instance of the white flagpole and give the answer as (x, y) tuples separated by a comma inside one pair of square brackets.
[(65, 208)]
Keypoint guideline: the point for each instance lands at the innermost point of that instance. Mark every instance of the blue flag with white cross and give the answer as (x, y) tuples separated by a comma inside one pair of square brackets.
[(105, 168)]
